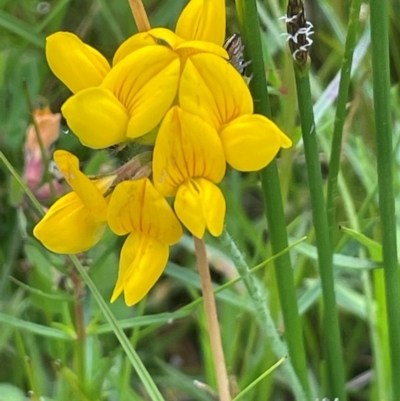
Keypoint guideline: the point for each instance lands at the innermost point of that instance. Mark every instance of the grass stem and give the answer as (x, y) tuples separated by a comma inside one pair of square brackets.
[(333, 347), (381, 86), (336, 146), (248, 18)]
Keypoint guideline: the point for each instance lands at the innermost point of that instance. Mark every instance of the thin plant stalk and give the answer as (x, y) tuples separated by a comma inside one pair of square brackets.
[(332, 343), (80, 329), (381, 86), (249, 25), (139, 15), (263, 315), (212, 320), (336, 146)]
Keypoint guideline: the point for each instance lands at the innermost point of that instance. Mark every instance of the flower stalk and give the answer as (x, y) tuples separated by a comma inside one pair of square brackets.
[(79, 317), (332, 345), (212, 320), (139, 15)]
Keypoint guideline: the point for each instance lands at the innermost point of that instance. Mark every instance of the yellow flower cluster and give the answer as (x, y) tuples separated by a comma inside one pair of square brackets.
[(183, 83)]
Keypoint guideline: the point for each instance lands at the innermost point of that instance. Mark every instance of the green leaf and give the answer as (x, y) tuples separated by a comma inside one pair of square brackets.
[(339, 260), (35, 328), (41, 294), (374, 248), (22, 29), (191, 278), (140, 321)]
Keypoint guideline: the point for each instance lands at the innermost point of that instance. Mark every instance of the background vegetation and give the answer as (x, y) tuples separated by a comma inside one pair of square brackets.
[(55, 342)]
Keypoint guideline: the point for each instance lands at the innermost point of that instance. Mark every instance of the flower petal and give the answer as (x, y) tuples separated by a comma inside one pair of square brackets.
[(96, 117), (146, 83), (138, 206), (190, 48), (199, 204), (154, 37), (142, 261), (69, 227), (214, 207), (251, 142), (186, 146), (76, 64), (84, 188), (203, 20), (286, 142), (221, 93)]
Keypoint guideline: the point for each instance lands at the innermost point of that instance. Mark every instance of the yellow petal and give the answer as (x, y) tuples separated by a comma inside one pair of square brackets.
[(213, 204), (190, 48), (76, 64), (69, 227), (146, 83), (142, 262), (203, 20), (286, 142), (96, 117), (186, 146), (251, 142), (154, 37), (104, 183), (138, 206), (199, 204), (84, 188), (221, 93)]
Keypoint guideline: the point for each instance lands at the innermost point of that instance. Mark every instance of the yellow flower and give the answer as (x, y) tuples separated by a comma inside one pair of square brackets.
[(126, 102), (78, 65), (138, 209), (200, 28), (188, 161), (250, 141), (203, 20), (76, 221), (170, 40), (130, 102)]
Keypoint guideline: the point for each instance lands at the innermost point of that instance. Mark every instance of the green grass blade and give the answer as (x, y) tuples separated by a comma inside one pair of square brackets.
[(21, 29), (336, 146)]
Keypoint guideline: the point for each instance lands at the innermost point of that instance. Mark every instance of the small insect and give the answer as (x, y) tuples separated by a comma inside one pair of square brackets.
[(234, 46)]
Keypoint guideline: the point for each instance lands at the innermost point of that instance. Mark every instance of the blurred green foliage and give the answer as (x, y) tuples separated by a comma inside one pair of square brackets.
[(40, 292)]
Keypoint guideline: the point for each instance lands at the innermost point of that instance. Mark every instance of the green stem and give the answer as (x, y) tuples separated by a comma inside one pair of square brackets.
[(248, 17), (263, 315), (336, 147), (381, 85), (80, 330), (333, 348)]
